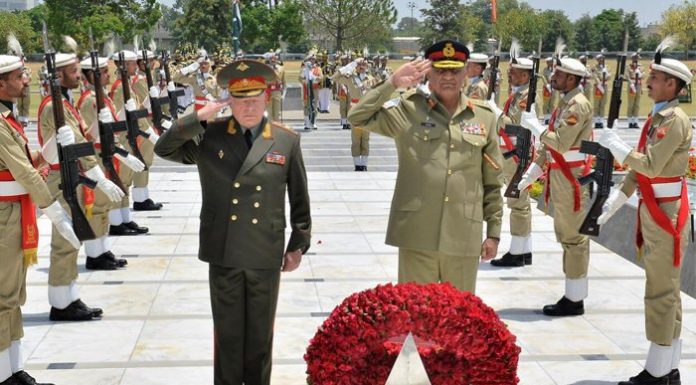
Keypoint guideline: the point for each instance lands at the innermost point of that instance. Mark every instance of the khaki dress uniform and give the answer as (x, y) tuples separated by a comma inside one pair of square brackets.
[(341, 82), (634, 92), (147, 148), (359, 138), (447, 185), (275, 89), (549, 95), (204, 87), (477, 89), (602, 77), (310, 94), (24, 103), (124, 173)]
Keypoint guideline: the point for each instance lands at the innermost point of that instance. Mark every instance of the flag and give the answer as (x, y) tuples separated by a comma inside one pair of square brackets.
[(494, 12)]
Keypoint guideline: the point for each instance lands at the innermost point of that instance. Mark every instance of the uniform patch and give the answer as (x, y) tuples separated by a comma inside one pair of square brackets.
[(571, 120), (473, 128), (275, 157), (661, 132), (391, 103), (523, 104)]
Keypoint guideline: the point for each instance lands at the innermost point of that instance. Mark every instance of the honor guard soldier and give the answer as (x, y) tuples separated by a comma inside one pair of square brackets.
[(246, 164), (586, 83), (63, 293), (635, 90), (601, 77), (657, 167), (570, 124), (21, 190), (520, 72), (143, 95), (341, 81), (477, 87), (310, 77), (550, 96), (197, 76), (276, 89), (360, 82), (324, 99), (449, 176), (486, 77), (24, 102), (99, 255)]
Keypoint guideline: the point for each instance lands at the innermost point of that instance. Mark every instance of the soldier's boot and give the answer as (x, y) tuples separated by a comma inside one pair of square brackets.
[(658, 366), (96, 312), (121, 229), (147, 205), (74, 312), (674, 377), (358, 168), (513, 260), (645, 378), (23, 378), (564, 307), (105, 261), (138, 229)]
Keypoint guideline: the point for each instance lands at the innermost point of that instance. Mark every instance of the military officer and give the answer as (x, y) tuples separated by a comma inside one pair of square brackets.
[(360, 82), (520, 253), (198, 77), (448, 181), (99, 255), (657, 167), (550, 96), (586, 83), (21, 188), (63, 294), (246, 164), (310, 77), (276, 89), (477, 87), (341, 80), (570, 124), (634, 91), (601, 77)]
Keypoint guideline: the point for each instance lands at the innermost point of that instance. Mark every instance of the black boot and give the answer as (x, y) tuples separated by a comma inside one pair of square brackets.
[(346, 126), (565, 307), (364, 168), (102, 262), (96, 312), (24, 378), (358, 168), (74, 312), (146, 205), (121, 229), (513, 260), (645, 378), (121, 262), (674, 377), (12, 380), (134, 226)]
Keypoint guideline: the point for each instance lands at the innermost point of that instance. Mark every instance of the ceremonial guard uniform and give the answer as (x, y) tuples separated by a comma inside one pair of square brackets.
[(245, 173), (520, 253), (199, 79), (310, 77), (601, 80), (586, 83), (657, 166), (448, 181), (341, 81), (570, 124), (486, 79), (360, 82), (634, 91), (477, 87), (276, 89), (63, 294), (325, 84), (24, 102), (21, 188), (99, 255), (549, 95)]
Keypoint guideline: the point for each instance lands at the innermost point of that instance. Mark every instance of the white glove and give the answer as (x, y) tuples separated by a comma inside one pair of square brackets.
[(190, 68), (62, 222), (548, 88), (600, 88), (530, 176), (153, 135), (610, 139), (154, 92), (633, 88), (106, 186), (491, 104), (210, 98), (616, 199), (171, 87), (49, 151), (166, 124), (130, 105), (65, 136), (531, 122), (105, 116), (131, 162)]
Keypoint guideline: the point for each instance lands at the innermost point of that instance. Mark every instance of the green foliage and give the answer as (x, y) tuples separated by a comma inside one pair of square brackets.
[(408, 27), (523, 24), (583, 34), (206, 23), (554, 24), (18, 23), (680, 20)]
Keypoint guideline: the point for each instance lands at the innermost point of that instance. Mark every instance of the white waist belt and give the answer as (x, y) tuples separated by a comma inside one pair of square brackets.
[(570, 156), (667, 190), (12, 188)]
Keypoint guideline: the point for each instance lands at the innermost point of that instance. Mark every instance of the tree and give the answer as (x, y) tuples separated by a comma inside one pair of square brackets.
[(524, 24), (608, 30), (635, 36), (19, 24), (554, 24), (443, 20), (408, 26), (680, 20), (350, 22), (583, 33), (206, 23)]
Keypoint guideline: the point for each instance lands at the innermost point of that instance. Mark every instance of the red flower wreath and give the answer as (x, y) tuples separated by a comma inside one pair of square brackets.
[(465, 341)]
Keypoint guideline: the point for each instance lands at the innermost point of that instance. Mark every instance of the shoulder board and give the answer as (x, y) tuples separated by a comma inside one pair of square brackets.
[(480, 103), (412, 91), (283, 127), (391, 103)]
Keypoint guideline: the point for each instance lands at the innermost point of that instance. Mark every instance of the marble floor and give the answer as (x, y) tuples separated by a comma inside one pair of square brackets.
[(157, 327)]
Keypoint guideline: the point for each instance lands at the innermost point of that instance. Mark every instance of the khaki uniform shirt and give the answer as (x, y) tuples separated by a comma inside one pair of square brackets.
[(477, 90)]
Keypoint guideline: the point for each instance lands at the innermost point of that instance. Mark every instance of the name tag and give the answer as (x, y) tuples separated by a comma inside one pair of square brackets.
[(275, 158)]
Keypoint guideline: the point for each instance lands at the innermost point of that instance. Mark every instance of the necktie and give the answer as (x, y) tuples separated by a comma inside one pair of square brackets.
[(248, 139)]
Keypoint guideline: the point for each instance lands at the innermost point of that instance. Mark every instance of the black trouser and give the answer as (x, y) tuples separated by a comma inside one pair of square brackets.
[(244, 305)]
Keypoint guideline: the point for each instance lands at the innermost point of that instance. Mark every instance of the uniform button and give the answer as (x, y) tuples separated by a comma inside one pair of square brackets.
[(235, 201), (257, 204), (258, 188), (254, 221), (236, 185), (446, 199), (452, 146), (234, 217), (425, 138), (449, 172)]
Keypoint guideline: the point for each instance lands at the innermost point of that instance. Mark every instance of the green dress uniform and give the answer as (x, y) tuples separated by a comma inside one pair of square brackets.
[(448, 182), (601, 75), (243, 225), (633, 94)]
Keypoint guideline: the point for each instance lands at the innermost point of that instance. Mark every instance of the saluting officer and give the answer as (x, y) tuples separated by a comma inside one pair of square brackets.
[(448, 181), (246, 164), (657, 166), (569, 125)]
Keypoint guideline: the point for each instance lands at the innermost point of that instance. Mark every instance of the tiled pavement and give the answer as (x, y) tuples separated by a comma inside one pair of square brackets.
[(157, 327)]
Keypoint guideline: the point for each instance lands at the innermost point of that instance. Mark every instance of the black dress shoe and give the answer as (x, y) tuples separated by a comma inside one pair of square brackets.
[(565, 307), (346, 126), (134, 226), (121, 262), (12, 380), (24, 378), (96, 312), (146, 205), (513, 260), (102, 262), (364, 168), (358, 168), (74, 312), (674, 377), (121, 229), (645, 378)]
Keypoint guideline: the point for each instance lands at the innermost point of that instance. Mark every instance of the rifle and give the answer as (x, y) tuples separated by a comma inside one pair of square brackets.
[(310, 94), (155, 103), (132, 117), (106, 130), (524, 141), (68, 156), (172, 96), (604, 166), (495, 72)]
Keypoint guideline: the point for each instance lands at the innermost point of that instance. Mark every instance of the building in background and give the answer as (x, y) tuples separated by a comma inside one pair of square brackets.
[(17, 5)]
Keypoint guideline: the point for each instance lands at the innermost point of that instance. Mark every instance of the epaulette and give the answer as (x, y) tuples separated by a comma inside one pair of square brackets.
[(412, 91), (283, 127), (480, 103)]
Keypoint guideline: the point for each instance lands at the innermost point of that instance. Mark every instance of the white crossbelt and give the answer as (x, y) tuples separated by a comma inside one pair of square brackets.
[(12, 188)]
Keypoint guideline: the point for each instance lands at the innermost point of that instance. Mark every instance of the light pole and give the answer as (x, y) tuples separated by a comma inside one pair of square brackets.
[(412, 5)]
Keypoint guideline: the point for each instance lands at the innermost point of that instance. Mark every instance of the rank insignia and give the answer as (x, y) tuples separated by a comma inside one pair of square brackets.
[(221, 154), (275, 157), (661, 132), (473, 128), (242, 67)]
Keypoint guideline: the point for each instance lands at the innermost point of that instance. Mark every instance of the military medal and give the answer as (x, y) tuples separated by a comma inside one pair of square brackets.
[(275, 157), (221, 154)]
